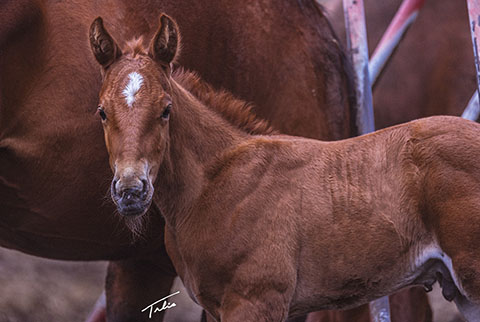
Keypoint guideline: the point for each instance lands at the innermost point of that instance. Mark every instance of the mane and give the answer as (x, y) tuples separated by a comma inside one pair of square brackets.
[(235, 111)]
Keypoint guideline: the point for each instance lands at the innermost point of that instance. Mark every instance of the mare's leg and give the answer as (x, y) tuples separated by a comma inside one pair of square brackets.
[(411, 305), (133, 285), (358, 314)]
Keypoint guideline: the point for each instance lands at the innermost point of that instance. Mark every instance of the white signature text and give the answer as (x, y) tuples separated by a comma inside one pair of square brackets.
[(154, 308)]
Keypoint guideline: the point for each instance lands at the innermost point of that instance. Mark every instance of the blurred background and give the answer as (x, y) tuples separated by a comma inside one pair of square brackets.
[(34, 289), (42, 290)]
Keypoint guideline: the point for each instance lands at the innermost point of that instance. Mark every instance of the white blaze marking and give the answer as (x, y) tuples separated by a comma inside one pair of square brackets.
[(135, 81)]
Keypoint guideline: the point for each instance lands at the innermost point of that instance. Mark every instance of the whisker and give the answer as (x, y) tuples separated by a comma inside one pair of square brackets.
[(137, 226)]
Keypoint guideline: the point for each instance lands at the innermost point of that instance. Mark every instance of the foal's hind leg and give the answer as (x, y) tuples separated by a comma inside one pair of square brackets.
[(461, 281), (453, 218), (467, 271), (470, 311)]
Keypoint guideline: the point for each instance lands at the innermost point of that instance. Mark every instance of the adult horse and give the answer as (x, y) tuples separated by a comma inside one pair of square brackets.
[(283, 56), (262, 227)]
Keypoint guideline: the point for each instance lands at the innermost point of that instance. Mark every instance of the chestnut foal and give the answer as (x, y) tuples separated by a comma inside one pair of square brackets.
[(262, 227)]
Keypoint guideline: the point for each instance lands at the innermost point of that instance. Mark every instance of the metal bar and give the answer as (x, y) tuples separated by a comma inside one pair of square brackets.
[(474, 17), (472, 111), (358, 50), (405, 16), (380, 310)]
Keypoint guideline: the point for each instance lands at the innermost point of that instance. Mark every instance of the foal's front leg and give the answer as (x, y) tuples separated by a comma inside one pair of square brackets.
[(254, 295), (271, 307)]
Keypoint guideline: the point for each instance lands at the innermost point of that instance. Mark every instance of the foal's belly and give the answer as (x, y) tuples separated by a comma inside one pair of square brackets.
[(345, 267), (341, 288)]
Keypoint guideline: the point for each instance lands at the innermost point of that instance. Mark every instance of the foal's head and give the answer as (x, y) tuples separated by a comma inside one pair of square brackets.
[(134, 107)]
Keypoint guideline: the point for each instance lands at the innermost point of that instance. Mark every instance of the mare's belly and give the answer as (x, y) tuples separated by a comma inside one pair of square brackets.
[(54, 203)]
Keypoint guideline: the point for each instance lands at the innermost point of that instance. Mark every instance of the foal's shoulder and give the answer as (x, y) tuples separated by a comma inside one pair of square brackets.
[(445, 138), (436, 126), (444, 131)]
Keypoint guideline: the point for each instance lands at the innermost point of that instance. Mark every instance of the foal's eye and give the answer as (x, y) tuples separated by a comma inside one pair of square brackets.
[(102, 113), (166, 112)]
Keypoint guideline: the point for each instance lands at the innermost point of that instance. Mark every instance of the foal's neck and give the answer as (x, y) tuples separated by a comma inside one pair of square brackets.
[(197, 136)]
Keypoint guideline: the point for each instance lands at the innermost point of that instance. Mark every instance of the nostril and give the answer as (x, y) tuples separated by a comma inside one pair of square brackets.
[(145, 186), (114, 186)]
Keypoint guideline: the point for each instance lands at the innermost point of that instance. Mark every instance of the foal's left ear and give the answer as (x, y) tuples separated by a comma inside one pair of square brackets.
[(165, 43)]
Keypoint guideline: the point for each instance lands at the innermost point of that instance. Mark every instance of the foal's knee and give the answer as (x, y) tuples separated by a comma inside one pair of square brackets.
[(245, 310)]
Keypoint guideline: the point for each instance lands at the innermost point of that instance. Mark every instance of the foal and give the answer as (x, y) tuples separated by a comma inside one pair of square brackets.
[(264, 227)]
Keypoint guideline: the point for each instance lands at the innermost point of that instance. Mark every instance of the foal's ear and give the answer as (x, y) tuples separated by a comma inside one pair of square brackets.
[(165, 43), (103, 46)]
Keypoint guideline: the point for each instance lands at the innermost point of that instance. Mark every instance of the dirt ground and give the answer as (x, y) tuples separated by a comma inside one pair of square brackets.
[(33, 289), (39, 290)]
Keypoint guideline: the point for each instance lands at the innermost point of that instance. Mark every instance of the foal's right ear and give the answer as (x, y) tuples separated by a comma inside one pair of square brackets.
[(165, 44), (103, 46)]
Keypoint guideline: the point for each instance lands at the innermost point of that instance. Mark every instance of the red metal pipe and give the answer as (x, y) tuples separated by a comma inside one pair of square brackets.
[(404, 17)]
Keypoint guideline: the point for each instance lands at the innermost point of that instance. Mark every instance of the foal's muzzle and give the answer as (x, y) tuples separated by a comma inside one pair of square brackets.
[(132, 196)]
